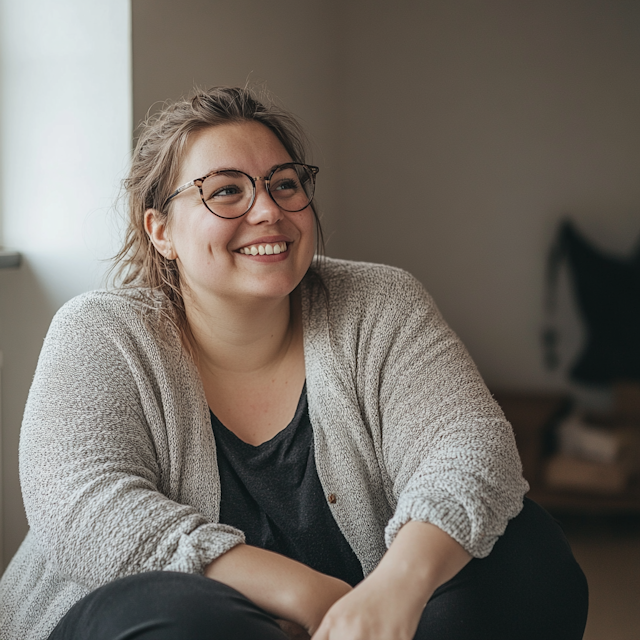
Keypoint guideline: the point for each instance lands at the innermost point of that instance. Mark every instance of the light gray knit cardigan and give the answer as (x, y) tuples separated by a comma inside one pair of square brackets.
[(117, 455)]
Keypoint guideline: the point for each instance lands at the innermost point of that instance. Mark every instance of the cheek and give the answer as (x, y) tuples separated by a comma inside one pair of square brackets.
[(306, 224), (210, 236), (311, 233)]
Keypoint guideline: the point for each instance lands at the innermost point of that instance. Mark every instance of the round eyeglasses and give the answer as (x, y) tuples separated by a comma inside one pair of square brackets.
[(230, 193)]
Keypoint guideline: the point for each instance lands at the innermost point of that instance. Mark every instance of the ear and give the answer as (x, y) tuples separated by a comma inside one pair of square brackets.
[(155, 224)]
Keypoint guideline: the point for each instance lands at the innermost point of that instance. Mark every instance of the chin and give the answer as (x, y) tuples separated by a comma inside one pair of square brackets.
[(272, 293)]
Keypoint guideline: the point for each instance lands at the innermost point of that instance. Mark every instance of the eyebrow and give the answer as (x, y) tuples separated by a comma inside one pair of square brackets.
[(224, 171), (235, 170)]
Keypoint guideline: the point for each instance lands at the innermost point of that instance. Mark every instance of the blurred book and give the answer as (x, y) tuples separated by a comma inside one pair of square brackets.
[(626, 399), (580, 438), (593, 454)]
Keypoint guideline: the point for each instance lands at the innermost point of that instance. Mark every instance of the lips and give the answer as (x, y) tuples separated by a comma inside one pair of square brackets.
[(264, 248)]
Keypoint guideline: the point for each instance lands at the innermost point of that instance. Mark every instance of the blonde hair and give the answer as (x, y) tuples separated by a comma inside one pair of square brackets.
[(155, 167)]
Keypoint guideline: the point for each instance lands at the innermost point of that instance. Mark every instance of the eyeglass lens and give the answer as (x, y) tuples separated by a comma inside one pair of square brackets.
[(230, 194)]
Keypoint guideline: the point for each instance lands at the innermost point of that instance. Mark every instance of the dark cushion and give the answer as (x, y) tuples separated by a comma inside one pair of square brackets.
[(608, 295)]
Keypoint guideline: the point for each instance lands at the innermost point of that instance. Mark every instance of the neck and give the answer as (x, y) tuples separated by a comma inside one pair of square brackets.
[(241, 339)]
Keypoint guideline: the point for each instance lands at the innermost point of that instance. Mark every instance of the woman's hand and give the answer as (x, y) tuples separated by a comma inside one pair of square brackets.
[(388, 604), (372, 611)]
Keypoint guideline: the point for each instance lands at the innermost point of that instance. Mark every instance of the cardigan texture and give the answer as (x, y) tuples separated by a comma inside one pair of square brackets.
[(118, 459)]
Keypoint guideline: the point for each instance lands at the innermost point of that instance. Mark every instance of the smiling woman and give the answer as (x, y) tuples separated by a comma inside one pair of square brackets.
[(173, 147), (241, 441), (209, 250)]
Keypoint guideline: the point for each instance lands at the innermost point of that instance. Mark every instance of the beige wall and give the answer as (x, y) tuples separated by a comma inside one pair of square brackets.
[(456, 134), (491, 119)]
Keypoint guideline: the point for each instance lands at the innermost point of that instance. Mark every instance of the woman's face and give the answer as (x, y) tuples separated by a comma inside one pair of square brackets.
[(210, 250)]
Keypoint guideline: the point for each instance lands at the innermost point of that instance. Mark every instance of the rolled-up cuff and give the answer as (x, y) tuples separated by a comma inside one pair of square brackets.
[(200, 547), (451, 517)]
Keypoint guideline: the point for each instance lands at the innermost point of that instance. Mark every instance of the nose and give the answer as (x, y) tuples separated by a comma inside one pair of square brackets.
[(264, 209)]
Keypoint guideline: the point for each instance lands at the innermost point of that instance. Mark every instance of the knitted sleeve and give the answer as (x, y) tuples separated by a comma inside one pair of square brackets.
[(448, 449), (92, 442)]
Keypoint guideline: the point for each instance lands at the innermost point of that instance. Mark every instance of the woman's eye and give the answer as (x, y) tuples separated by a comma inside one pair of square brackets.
[(230, 190), (284, 185)]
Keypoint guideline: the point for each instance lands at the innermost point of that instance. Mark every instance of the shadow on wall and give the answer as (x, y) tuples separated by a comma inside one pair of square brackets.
[(25, 314)]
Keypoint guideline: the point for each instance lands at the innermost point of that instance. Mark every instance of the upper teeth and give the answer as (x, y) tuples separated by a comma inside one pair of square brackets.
[(262, 249)]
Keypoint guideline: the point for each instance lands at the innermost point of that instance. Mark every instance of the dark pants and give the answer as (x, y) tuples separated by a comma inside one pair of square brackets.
[(530, 587)]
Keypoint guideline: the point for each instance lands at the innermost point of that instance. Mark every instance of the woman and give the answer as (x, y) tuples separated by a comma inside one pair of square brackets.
[(225, 446)]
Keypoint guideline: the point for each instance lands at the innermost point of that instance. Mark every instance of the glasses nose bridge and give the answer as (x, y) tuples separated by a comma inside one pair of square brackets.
[(267, 185), (267, 181)]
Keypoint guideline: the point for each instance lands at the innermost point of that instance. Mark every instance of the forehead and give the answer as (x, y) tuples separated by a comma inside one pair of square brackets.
[(248, 146)]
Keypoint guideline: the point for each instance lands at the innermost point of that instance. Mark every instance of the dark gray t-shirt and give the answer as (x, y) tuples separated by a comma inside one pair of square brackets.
[(272, 492)]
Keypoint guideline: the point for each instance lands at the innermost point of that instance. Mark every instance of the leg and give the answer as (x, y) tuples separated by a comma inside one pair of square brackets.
[(529, 587), (164, 605)]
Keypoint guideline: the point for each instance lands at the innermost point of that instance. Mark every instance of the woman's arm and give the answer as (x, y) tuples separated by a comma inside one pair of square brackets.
[(444, 451), (283, 587), (448, 449), (388, 604), (110, 488)]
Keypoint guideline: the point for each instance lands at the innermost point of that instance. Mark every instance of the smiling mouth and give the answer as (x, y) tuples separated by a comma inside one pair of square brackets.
[(264, 249)]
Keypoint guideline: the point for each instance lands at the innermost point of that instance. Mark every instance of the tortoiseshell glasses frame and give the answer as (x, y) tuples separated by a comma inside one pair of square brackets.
[(293, 193)]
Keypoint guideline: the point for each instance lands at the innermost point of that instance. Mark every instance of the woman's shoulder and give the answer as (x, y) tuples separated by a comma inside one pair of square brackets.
[(102, 303), (347, 280), (132, 310)]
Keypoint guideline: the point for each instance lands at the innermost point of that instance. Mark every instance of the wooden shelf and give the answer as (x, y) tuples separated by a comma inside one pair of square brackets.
[(532, 417)]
